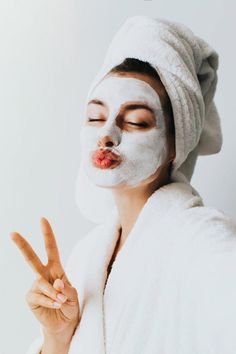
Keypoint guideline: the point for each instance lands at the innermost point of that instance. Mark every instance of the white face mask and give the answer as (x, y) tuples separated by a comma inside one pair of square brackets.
[(142, 152)]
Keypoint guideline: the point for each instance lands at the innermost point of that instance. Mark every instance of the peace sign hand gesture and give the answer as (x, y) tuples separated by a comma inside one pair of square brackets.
[(52, 299)]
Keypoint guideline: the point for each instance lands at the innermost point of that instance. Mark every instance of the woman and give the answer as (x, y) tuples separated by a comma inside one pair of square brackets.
[(157, 275)]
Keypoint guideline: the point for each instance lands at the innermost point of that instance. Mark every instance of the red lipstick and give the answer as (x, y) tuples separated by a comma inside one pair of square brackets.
[(105, 158)]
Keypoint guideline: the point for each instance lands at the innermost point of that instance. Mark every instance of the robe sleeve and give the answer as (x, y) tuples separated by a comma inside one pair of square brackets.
[(36, 346), (209, 278)]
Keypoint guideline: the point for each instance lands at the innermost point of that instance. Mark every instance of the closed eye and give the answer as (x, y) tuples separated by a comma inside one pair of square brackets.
[(95, 120), (142, 124)]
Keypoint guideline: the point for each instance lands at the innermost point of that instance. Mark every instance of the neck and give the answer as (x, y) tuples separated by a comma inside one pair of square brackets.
[(130, 201)]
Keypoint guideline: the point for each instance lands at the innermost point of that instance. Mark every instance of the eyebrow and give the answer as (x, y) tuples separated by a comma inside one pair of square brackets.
[(127, 107)]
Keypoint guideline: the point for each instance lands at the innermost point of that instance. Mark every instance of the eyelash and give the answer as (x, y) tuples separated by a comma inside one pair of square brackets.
[(143, 124)]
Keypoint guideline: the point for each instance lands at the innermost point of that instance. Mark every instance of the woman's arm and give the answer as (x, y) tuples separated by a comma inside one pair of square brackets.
[(57, 344)]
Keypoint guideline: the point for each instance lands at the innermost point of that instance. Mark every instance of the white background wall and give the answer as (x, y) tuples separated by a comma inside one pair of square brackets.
[(49, 53)]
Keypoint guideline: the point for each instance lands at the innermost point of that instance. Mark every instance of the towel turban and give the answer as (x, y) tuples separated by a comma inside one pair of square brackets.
[(187, 67)]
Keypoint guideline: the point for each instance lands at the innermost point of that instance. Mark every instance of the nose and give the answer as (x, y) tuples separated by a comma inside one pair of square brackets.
[(105, 141)]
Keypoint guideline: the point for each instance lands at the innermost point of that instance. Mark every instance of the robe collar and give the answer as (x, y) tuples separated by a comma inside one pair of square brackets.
[(171, 198)]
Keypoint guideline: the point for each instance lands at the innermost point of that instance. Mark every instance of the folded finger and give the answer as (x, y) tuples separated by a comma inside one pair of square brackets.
[(67, 290), (35, 300), (43, 286)]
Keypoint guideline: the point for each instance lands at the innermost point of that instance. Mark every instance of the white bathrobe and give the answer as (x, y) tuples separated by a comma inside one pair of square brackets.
[(172, 287)]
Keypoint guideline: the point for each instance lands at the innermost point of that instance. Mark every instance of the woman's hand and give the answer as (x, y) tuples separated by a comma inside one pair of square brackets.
[(52, 298)]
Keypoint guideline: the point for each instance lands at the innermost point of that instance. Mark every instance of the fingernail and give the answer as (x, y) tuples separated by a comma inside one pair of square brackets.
[(12, 234), (61, 284), (56, 304), (61, 297)]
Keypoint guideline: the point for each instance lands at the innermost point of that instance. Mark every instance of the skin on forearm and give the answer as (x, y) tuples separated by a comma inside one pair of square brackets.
[(56, 344), (52, 347)]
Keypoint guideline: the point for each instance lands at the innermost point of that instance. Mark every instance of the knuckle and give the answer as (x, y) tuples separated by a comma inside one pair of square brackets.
[(40, 281), (43, 286), (40, 285), (47, 302), (37, 283), (48, 290)]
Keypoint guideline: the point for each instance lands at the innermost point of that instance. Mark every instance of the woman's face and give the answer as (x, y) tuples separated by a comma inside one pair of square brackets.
[(124, 137)]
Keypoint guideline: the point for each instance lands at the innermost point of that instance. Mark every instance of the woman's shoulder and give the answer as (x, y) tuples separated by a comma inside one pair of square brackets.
[(210, 230), (206, 267), (203, 217)]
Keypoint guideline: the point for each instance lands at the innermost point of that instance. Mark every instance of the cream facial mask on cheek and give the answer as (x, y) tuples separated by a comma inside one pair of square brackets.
[(141, 152)]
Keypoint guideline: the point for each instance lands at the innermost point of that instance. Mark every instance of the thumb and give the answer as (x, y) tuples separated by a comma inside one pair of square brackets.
[(66, 289)]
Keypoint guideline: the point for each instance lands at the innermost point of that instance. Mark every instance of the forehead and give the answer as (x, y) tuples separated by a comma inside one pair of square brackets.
[(118, 89)]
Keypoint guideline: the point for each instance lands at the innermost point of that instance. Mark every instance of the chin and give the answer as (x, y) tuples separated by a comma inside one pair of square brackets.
[(106, 178)]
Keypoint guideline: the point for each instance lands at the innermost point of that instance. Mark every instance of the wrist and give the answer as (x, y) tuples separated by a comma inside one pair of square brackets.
[(52, 346), (62, 338)]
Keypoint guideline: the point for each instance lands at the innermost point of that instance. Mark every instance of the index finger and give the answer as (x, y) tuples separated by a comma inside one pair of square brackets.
[(28, 252)]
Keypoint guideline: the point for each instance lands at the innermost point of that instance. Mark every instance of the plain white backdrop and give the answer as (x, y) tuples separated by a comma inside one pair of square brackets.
[(50, 51)]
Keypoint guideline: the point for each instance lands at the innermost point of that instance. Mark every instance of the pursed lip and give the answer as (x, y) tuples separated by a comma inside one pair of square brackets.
[(105, 158)]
